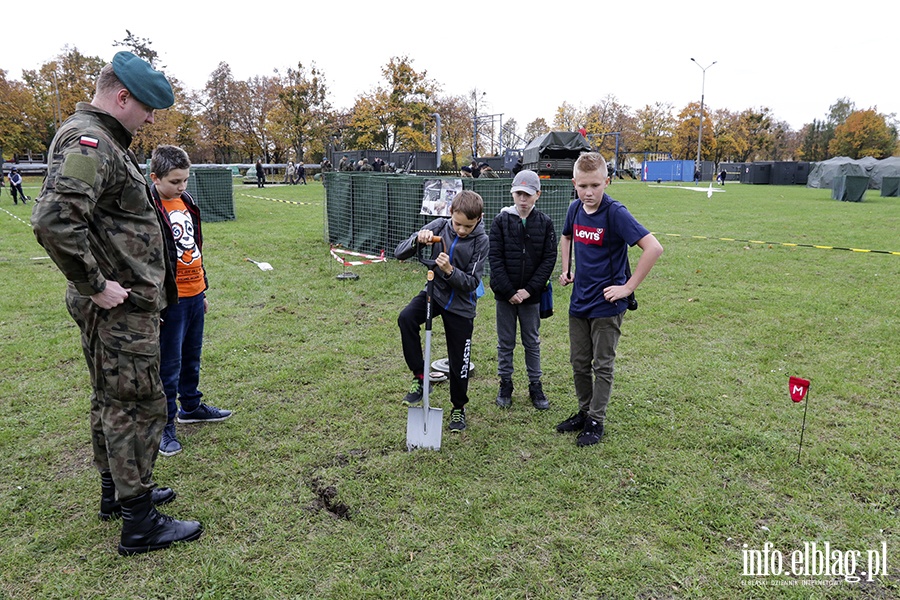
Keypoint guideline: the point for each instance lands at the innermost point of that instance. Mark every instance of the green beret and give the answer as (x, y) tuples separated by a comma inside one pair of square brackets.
[(146, 84)]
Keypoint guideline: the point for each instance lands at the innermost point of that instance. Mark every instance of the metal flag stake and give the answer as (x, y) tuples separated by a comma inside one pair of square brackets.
[(798, 389)]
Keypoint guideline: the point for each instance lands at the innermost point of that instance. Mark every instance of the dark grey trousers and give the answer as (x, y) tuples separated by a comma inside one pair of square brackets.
[(528, 319)]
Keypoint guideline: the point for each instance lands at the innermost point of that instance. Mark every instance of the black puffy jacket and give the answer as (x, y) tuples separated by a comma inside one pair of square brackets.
[(520, 258)]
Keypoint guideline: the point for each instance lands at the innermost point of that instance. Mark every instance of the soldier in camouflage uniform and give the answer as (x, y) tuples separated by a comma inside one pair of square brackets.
[(96, 220)]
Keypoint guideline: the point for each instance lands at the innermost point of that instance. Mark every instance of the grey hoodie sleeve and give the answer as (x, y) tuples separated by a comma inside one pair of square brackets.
[(468, 279), (408, 248)]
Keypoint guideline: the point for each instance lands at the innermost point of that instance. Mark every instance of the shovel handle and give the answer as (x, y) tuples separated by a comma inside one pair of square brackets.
[(430, 263)]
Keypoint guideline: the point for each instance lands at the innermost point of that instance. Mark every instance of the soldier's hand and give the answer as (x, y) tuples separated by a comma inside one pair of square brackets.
[(112, 296)]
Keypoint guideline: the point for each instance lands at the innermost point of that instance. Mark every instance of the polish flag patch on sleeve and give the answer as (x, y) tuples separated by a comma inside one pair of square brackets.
[(88, 141)]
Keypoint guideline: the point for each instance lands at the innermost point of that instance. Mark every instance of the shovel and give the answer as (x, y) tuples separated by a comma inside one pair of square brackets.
[(263, 266), (423, 423)]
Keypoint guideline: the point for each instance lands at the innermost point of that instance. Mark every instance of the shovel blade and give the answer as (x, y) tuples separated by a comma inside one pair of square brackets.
[(265, 266), (423, 428)]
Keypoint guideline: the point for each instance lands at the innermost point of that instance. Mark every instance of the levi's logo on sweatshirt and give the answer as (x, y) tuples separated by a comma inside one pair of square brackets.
[(589, 235)]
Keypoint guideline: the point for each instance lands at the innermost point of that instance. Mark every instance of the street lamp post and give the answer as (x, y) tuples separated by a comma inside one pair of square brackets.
[(437, 139), (475, 99), (702, 93)]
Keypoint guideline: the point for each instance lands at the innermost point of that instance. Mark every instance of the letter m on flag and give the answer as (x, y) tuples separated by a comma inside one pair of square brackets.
[(798, 388)]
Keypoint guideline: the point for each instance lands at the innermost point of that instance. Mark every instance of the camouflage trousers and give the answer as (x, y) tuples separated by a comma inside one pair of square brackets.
[(128, 403)]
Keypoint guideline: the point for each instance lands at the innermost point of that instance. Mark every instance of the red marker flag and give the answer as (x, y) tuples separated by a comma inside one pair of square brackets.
[(798, 388)]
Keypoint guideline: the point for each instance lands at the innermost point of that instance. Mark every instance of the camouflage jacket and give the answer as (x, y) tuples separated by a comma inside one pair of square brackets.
[(95, 216)]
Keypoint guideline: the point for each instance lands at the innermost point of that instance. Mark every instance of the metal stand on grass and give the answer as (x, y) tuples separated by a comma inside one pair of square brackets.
[(347, 275)]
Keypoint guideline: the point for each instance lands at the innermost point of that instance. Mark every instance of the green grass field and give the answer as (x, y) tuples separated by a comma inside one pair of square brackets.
[(309, 492)]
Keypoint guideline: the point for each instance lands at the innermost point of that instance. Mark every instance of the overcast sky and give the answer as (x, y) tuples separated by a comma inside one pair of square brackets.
[(528, 57)]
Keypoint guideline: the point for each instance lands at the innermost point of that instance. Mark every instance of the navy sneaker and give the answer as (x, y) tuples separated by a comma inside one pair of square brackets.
[(457, 420), (203, 414), (593, 431), (504, 395), (414, 397), (574, 423), (169, 445)]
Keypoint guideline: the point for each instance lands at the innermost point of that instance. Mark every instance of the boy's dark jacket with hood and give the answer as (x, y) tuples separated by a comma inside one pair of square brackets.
[(521, 258), (168, 234), (455, 293)]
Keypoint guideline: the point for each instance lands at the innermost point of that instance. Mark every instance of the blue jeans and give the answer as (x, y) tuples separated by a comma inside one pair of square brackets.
[(180, 344)]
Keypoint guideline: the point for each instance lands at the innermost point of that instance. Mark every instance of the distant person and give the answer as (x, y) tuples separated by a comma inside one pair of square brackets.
[(260, 175), (696, 175), (456, 282), (289, 172), (600, 229), (325, 167), (301, 173), (517, 167), (487, 172), (181, 329), (721, 178), (345, 164), (465, 172), (377, 164), (476, 170), (522, 257), (15, 186), (365, 166), (97, 221)]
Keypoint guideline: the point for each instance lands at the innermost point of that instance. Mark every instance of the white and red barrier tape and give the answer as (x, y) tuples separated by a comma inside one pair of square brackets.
[(370, 258)]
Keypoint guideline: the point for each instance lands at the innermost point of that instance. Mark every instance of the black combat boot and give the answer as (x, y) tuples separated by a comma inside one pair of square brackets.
[(110, 507), (504, 395), (144, 529), (538, 399)]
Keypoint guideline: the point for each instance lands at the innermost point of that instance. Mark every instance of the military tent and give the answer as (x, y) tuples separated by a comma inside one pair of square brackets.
[(823, 173), (887, 167)]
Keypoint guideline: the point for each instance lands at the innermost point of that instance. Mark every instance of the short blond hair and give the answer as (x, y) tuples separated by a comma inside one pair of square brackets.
[(591, 161), (108, 82)]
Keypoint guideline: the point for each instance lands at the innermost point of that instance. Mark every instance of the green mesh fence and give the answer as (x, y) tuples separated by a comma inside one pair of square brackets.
[(212, 189), (371, 212)]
